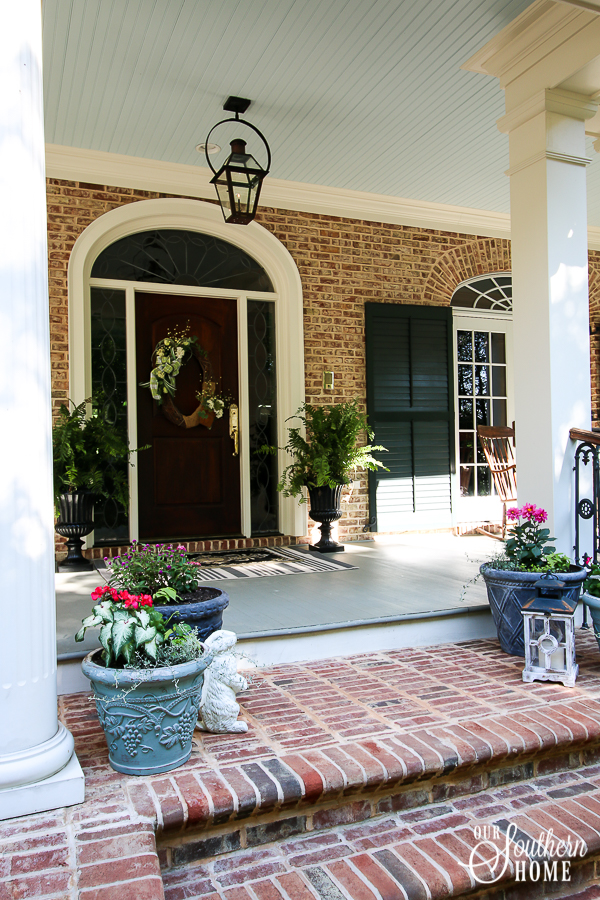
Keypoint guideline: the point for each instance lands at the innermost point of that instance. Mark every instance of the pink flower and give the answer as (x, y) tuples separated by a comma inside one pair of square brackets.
[(99, 592), (539, 516), (513, 513), (528, 510), (146, 600), (180, 547)]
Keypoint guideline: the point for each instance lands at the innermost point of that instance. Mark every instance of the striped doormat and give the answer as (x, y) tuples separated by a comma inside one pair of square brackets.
[(284, 562)]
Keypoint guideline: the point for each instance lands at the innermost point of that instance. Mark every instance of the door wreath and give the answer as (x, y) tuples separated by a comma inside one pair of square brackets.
[(169, 355)]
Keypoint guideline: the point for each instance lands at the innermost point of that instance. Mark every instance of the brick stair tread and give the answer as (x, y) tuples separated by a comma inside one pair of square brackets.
[(419, 854), (327, 730), (352, 735)]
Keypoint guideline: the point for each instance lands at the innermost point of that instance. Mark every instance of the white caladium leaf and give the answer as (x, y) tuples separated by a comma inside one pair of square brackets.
[(143, 618), (121, 615), (151, 648), (122, 632), (104, 637), (144, 635), (104, 611)]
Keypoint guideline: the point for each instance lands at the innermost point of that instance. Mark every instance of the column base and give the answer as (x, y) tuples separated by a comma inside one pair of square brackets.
[(66, 788)]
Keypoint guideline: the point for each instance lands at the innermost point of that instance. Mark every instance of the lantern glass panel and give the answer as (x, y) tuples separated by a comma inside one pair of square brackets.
[(557, 629), (535, 656), (537, 628)]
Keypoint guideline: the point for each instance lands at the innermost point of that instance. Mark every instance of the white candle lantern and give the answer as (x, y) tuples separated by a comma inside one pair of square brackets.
[(548, 621)]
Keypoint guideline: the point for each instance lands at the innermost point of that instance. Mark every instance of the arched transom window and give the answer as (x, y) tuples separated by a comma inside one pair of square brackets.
[(492, 292)]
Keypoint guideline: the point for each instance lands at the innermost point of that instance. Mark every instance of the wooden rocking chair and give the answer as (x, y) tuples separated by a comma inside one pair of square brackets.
[(497, 444)]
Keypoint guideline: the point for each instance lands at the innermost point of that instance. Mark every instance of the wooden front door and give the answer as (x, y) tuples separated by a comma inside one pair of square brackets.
[(189, 480)]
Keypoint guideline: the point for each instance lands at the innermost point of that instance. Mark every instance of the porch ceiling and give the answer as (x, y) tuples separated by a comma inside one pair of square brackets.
[(359, 94)]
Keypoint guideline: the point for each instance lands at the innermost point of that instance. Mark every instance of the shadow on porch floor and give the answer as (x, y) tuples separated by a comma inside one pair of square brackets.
[(405, 591)]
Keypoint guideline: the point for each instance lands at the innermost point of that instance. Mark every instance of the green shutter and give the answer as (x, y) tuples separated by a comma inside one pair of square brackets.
[(411, 409)]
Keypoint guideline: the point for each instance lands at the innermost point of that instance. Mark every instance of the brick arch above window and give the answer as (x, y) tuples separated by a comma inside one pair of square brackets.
[(462, 263), (594, 286)]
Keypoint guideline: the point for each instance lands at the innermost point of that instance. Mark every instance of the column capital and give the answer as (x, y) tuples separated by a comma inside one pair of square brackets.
[(563, 103)]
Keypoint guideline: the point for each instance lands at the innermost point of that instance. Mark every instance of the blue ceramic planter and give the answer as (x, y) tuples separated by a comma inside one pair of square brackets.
[(593, 604), (509, 591), (203, 610), (148, 715)]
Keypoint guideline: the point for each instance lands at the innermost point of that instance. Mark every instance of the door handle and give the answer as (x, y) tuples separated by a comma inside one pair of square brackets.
[(234, 427)]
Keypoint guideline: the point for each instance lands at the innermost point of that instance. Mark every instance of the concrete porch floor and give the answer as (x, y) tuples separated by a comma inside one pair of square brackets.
[(405, 592), (360, 778)]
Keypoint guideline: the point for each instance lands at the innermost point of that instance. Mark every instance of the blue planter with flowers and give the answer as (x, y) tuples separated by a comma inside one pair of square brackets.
[(510, 578), (147, 680), (202, 609), (165, 573), (148, 715)]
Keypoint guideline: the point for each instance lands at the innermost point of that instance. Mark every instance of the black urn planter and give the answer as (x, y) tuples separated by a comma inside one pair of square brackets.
[(202, 609), (325, 507), (508, 591), (76, 520)]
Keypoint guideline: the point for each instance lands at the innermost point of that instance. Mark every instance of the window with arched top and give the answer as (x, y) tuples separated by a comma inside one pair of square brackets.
[(482, 313), (489, 292), (172, 256)]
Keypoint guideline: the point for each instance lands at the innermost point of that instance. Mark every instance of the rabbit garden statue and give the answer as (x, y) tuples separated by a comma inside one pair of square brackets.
[(219, 709)]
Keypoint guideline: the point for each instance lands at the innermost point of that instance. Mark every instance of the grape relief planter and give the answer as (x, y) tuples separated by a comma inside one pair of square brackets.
[(148, 715)]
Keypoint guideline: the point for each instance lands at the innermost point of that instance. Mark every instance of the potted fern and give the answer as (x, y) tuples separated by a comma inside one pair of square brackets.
[(147, 680), (90, 460), (325, 449)]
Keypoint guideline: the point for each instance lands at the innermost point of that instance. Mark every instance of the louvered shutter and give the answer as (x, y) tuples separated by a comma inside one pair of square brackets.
[(411, 409)]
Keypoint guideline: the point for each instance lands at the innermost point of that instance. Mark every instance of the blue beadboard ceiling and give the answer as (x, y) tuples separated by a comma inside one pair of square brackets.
[(359, 94)]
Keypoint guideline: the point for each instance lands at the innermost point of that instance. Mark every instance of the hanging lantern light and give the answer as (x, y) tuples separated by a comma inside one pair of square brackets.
[(239, 180)]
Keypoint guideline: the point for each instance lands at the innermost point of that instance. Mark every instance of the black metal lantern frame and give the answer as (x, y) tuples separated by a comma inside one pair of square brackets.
[(239, 180)]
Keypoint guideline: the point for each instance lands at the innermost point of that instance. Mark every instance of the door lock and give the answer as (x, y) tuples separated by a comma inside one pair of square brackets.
[(234, 428)]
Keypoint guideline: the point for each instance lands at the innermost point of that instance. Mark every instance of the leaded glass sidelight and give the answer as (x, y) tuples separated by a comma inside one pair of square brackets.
[(170, 256), (109, 382), (262, 394)]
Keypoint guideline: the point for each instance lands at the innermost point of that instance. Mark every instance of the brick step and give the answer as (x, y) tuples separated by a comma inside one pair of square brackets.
[(416, 851), (333, 745)]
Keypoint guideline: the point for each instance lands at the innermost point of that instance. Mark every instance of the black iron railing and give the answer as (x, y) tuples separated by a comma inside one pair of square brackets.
[(587, 508)]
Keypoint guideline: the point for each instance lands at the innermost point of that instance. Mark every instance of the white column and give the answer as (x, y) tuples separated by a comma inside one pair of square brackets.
[(38, 770), (550, 290)]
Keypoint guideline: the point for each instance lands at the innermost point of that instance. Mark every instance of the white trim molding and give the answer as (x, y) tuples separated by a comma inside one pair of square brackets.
[(192, 215), (95, 167)]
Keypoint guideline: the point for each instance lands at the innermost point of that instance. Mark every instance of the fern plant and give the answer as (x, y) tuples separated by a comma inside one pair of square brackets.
[(329, 449), (86, 453)]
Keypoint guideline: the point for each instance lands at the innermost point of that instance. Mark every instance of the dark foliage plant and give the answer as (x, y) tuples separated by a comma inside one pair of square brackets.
[(329, 449), (86, 451)]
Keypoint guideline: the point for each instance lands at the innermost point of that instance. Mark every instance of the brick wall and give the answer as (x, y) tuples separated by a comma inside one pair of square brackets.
[(343, 264)]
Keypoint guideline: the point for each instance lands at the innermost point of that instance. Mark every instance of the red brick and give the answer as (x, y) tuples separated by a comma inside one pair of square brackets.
[(221, 796), (458, 874), (115, 848), (266, 890), (196, 802), (350, 881), (38, 886), (378, 877), (310, 778), (295, 887), (139, 866), (142, 800), (145, 889), (333, 778), (38, 862)]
